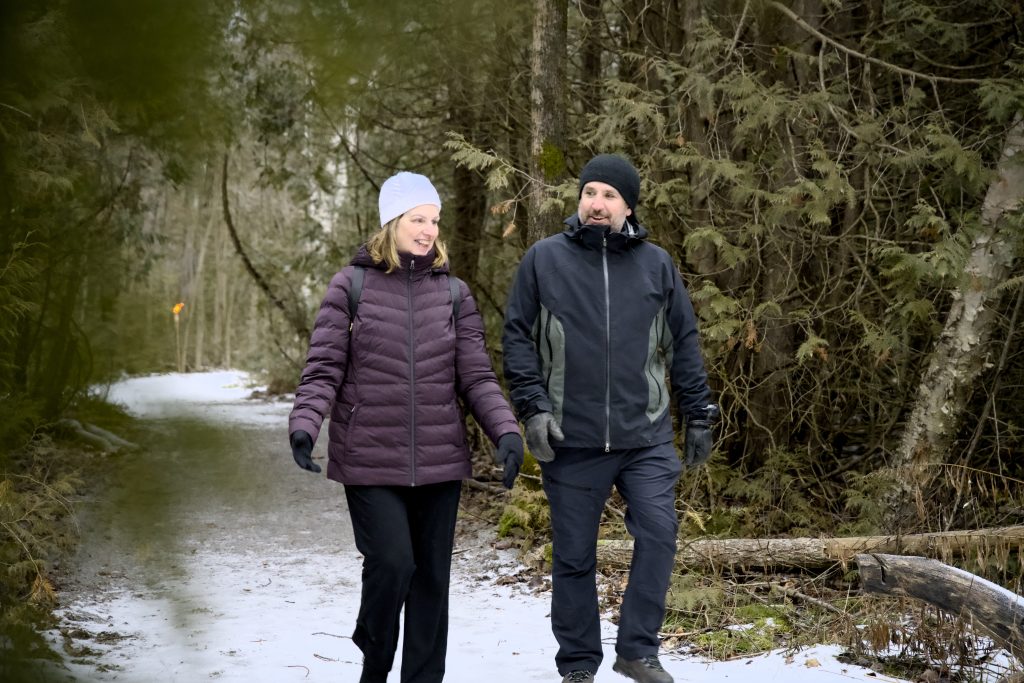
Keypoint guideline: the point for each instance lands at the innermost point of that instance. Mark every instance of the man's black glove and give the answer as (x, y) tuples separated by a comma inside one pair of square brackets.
[(538, 430), (510, 456), (302, 450), (699, 438)]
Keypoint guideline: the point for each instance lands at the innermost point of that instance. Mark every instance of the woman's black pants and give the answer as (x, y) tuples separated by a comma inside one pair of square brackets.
[(405, 534)]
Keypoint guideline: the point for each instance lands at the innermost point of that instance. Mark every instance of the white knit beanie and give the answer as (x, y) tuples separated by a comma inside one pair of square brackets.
[(404, 191)]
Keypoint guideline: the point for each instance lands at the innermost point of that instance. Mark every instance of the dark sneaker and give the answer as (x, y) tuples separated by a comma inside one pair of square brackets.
[(644, 670), (578, 677)]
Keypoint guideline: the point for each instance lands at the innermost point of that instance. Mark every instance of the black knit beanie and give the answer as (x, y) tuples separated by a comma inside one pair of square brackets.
[(615, 171)]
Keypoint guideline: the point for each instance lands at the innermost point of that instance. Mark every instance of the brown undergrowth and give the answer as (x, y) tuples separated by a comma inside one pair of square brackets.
[(40, 483)]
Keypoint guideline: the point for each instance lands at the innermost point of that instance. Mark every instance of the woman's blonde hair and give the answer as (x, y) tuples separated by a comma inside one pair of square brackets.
[(383, 247)]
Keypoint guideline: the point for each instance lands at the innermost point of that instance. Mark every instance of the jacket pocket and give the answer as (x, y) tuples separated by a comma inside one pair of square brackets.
[(346, 443), (559, 483)]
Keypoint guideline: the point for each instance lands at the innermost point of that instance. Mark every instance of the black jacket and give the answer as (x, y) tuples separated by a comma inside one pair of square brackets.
[(594, 320)]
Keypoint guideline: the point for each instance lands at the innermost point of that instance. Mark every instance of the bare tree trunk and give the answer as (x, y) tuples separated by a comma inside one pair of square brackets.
[(194, 290), (591, 46), (199, 295), (769, 401), (469, 190), (222, 269), (230, 294), (962, 351), (547, 107)]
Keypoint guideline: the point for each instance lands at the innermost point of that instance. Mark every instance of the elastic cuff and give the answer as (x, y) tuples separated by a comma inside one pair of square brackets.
[(306, 425)]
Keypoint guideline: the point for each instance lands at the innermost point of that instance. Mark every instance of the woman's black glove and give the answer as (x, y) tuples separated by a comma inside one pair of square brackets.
[(302, 450), (510, 456)]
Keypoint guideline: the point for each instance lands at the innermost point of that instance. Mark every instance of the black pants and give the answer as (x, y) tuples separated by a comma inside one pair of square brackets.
[(405, 535), (577, 483)]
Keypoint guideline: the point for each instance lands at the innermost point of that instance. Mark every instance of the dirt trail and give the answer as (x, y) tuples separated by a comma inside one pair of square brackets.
[(211, 556)]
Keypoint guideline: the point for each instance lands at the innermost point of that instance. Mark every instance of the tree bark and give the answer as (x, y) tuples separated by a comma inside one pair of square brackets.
[(990, 608), (769, 402), (199, 297), (469, 191), (591, 47), (818, 552), (547, 113), (961, 353)]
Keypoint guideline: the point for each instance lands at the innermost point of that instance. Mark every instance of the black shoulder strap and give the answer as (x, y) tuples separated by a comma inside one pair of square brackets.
[(453, 285), (355, 290)]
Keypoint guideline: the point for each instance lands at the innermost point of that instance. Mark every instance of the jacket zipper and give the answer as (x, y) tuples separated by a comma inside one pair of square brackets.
[(412, 379), (607, 350)]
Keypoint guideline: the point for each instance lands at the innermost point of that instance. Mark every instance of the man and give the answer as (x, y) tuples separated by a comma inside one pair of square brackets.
[(595, 317)]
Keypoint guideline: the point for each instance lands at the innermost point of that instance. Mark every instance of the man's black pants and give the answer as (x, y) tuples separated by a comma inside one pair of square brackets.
[(577, 483), (405, 535)]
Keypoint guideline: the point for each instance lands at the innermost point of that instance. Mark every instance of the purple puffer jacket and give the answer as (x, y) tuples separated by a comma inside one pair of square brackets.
[(392, 392)]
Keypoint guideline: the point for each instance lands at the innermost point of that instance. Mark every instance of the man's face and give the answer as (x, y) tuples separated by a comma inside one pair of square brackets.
[(601, 204)]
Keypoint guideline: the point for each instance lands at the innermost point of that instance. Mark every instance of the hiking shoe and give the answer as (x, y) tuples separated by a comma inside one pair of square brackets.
[(578, 677), (644, 670)]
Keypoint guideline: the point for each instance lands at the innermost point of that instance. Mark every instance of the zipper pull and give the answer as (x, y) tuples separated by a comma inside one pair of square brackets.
[(607, 447)]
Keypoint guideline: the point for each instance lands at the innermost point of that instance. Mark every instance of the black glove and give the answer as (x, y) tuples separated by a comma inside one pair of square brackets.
[(510, 456), (699, 438), (538, 430), (302, 450)]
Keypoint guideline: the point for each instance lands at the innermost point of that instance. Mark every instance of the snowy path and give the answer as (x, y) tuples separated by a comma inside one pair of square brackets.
[(214, 558)]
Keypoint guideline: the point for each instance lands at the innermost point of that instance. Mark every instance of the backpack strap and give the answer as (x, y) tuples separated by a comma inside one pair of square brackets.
[(453, 286), (355, 290)]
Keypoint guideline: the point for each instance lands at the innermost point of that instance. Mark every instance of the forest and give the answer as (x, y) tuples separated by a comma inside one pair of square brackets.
[(837, 181)]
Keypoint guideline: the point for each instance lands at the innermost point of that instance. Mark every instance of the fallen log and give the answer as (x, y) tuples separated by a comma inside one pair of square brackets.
[(714, 553), (117, 442), (97, 437), (988, 607)]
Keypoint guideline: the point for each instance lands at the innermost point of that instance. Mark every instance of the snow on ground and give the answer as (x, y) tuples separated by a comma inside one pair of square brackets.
[(266, 599), (219, 395)]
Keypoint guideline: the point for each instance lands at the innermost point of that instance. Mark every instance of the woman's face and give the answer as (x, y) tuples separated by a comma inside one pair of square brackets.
[(417, 229)]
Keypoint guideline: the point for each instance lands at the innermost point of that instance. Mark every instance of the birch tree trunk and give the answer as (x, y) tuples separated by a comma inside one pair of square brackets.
[(547, 112), (962, 350)]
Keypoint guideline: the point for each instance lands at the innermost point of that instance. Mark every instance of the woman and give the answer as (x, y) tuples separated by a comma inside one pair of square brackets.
[(390, 375)]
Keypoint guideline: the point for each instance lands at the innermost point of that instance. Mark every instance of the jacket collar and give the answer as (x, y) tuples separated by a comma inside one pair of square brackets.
[(419, 264), (594, 236)]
